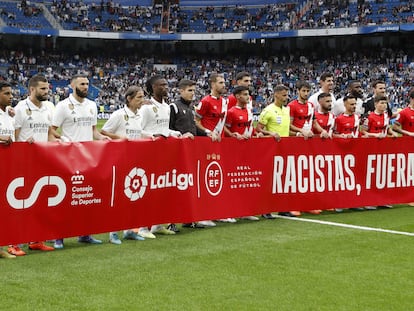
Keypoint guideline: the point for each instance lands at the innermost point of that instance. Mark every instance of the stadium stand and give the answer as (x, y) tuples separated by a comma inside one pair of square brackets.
[(206, 16)]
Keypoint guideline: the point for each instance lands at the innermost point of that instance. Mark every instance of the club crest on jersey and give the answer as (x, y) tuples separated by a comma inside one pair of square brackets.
[(28, 112), (71, 106), (155, 109), (126, 117)]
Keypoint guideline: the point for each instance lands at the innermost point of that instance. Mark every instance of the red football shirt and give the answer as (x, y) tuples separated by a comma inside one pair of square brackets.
[(239, 120), (212, 112), (325, 120), (302, 114), (347, 124), (377, 123), (405, 118)]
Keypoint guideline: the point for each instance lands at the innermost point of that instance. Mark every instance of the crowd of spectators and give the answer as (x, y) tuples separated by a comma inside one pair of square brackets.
[(281, 16), (112, 75), (339, 13)]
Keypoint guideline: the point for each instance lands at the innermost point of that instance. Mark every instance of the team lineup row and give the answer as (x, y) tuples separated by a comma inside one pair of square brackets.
[(75, 119)]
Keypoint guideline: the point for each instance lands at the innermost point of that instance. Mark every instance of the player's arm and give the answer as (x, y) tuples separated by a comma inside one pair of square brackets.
[(111, 135), (396, 127), (260, 128), (6, 139), (97, 135), (323, 133), (214, 136)]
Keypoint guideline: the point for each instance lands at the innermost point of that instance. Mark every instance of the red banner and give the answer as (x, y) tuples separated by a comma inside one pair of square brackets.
[(52, 190)]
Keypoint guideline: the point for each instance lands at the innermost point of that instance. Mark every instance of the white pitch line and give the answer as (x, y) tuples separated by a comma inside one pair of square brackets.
[(330, 223)]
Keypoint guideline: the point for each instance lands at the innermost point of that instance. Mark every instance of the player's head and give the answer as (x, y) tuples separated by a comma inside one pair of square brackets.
[(242, 94), (157, 86), (325, 102), (303, 88), (244, 78), (327, 82), (355, 88), (217, 84), (281, 94), (80, 85), (350, 104), (6, 94), (38, 88), (187, 89), (411, 95), (134, 97), (380, 102), (379, 87)]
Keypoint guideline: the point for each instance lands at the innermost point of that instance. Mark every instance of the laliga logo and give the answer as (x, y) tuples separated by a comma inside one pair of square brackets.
[(214, 178), (42, 182), (136, 183)]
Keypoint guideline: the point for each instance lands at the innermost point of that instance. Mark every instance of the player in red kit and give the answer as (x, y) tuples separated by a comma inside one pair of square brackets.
[(210, 116), (347, 124), (404, 124), (239, 120), (212, 109), (377, 124), (242, 79), (324, 117)]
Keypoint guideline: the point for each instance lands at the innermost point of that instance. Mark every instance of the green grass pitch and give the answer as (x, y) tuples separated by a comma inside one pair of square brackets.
[(265, 265)]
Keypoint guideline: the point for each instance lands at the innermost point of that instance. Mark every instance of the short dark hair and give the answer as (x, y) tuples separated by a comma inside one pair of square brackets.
[(34, 81), (240, 88), (242, 74), (80, 75), (4, 84), (379, 98), (280, 87), (411, 93), (352, 82), (376, 82), (326, 75), (300, 84), (349, 96), (151, 81), (323, 95), (185, 83), (214, 76)]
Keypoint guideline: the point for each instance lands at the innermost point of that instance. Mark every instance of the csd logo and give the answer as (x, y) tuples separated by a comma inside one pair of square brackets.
[(214, 178), (42, 182)]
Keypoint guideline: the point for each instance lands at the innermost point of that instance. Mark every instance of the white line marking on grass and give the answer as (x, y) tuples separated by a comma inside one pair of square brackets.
[(337, 224)]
